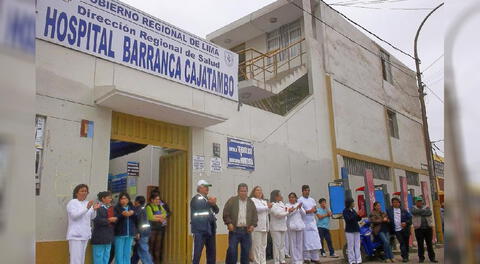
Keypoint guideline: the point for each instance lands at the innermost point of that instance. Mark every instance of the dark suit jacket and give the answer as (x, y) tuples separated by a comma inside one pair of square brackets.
[(102, 232), (230, 212), (406, 217)]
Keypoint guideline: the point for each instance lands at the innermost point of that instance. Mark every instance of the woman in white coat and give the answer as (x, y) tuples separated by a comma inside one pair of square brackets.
[(80, 214), (295, 226), (259, 235), (278, 226)]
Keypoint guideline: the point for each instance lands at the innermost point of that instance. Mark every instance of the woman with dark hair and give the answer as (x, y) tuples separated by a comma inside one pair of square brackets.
[(80, 213), (352, 231), (125, 228), (157, 214), (278, 226), (295, 226), (102, 233), (259, 234), (380, 226)]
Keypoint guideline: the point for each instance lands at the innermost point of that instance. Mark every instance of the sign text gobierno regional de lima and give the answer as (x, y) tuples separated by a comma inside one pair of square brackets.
[(119, 33)]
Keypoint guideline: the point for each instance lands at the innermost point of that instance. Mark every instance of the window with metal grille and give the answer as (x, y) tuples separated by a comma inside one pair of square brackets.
[(283, 37), (412, 178), (392, 124), (386, 67), (357, 167)]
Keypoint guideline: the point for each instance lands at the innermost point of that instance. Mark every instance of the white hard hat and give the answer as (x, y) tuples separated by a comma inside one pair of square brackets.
[(203, 183)]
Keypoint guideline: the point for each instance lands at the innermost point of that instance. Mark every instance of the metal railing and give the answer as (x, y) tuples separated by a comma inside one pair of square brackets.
[(265, 66)]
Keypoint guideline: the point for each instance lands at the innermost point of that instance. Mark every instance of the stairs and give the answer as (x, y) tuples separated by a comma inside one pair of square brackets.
[(255, 90), (286, 78)]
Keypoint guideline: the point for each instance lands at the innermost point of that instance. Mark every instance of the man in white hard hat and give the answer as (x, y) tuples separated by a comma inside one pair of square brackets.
[(204, 223)]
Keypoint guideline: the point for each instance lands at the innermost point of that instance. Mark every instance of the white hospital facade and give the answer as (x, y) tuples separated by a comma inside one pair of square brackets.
[(308, 99)]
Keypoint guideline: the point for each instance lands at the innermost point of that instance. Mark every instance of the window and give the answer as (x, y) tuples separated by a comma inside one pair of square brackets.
[(357, 167), (412, 178), (392, 124), (282, 37), (39, 139), (386, 67)]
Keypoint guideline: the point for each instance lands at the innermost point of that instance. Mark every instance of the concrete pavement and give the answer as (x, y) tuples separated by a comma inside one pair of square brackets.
[(398, 259)]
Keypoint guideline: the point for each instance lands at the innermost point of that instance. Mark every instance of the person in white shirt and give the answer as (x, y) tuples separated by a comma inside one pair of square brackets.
[(80, 214), (311, 238), (295, 226), (260, 233), (278, 226)]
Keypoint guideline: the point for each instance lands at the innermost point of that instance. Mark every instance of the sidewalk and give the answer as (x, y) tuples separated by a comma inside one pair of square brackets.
[(413, 257)]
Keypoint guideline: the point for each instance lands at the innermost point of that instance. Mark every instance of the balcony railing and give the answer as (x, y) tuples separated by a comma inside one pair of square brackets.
[(265, 66)]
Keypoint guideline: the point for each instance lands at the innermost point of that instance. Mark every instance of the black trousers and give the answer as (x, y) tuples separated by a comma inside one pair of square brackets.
[(325, 235), (427, 236), (199, 241), (403, 238)]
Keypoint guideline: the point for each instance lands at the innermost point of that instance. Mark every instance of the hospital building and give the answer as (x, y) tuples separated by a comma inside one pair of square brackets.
[(285, 96)]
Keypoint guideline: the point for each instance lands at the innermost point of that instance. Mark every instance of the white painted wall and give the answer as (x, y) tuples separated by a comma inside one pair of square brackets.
[(149, 159), (65, 97)]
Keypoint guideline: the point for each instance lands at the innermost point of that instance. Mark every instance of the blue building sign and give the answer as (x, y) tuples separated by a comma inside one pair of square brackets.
[(240, 154)]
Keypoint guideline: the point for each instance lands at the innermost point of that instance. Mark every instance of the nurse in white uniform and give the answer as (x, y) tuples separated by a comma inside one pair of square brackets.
[(80, 214), (260, 233), (311, 239), (295, 227)]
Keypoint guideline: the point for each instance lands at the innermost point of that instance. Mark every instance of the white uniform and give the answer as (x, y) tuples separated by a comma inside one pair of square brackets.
[(295, 227), (311, 239), (259, 235), (278, 228), (79, 229)]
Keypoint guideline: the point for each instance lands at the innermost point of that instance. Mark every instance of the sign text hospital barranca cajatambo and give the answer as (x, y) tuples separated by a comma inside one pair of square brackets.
[(119, 33)]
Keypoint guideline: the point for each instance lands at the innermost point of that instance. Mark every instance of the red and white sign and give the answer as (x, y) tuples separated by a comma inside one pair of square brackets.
[(404, 192)]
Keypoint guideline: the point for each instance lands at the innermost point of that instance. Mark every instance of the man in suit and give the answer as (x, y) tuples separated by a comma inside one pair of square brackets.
[(203, 223), (240, 217), (400, 222)]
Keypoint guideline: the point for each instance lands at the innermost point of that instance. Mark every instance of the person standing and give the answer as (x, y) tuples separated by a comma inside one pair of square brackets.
[(400, 222), (260, 233), (423, 223), (323, 225), (157, 214), (380, 226), (141, 251), (80, 213), (124, 228), (352, 232), (295, 227), (240, 217), (102, 233), (278, 226), (311, 238), (203, 223)]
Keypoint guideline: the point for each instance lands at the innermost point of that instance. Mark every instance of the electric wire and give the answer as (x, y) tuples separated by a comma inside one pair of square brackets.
[(401, 68), (431, 64), (365, 29)]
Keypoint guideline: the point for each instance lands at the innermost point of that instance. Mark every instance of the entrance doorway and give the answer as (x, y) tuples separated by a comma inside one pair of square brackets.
[(158, 152)]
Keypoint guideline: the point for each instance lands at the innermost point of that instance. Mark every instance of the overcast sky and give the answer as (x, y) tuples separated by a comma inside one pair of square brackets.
[(395, 20)]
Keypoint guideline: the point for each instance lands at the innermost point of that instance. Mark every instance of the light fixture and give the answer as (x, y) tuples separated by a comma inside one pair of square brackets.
[(273, 20)]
